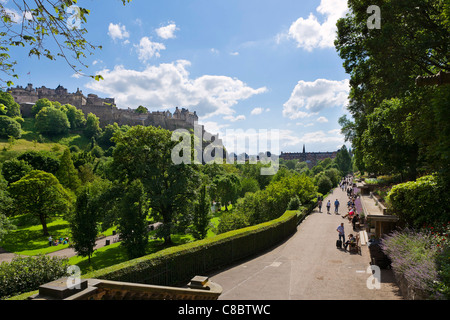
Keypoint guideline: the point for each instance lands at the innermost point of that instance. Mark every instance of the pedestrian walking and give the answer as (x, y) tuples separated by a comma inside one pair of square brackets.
[(320, 205), (328, 206), (341, 231), (336, 206)]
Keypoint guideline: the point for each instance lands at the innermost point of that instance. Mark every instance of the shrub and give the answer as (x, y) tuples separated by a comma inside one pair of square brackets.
[(232, 220), (294, 203), (9, 128), (52, 122), (25, 274), (324, 183), (420, 202)]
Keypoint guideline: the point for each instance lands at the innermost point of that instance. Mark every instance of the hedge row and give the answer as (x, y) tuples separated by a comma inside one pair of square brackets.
[(179, 264)]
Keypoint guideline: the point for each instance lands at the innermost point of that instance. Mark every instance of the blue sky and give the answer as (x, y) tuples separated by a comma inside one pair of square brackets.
[(240, 64)]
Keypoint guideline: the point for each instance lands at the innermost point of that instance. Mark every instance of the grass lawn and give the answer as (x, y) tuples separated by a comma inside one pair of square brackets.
[(30, 138), (115, 253), (28, 240)]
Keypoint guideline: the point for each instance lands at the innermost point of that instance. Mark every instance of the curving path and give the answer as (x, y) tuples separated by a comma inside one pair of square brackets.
[(308, 266)]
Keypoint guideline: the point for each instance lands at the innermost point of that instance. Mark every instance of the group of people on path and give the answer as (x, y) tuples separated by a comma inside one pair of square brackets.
[(352, 215), (341, 241), (336, 205)]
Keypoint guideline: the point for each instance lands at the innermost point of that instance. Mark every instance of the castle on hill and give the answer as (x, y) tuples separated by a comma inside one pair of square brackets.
[(104, 108)]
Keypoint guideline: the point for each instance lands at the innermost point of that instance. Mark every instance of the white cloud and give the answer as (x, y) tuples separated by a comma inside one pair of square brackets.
[(257, 111), (322, 120), (214, 127), (117, 31), (148, 49), (308, 98), (169, 85), (234, 119), (16, 16), (234, 53), (167, 32), (322, 137), (310, 124), (310, 33)]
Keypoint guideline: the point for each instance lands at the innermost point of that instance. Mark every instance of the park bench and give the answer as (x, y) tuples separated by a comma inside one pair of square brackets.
[(355, 247)]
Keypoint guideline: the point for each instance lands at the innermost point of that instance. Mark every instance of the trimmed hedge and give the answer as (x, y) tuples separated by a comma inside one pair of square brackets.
[(179, 264), (28, 273), (420, 202)]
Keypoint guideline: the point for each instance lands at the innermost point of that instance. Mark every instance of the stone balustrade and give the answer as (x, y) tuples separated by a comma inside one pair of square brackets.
[(199, 288)]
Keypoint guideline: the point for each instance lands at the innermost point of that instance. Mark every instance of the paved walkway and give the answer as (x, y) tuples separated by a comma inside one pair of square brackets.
[(308, 266)]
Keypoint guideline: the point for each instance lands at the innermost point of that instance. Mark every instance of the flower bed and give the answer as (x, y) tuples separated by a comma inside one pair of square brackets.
[(418, 263)]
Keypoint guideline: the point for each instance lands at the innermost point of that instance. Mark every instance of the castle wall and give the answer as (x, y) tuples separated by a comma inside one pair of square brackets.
[(104, 108)]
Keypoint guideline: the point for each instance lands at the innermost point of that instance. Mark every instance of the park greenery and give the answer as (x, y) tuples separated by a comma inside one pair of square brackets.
[(65, 176), (399, 130)]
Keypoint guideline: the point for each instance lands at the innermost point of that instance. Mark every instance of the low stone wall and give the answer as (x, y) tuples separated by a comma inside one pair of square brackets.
[(408, 292)]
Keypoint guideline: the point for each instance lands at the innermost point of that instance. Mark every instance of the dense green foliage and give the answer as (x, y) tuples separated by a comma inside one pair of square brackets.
[(400, 128), (397, 126), (8, 107), (39, 193), (52, 122), (25, 274), (9, 127), (202, 214), (420, 202), (133, 226)]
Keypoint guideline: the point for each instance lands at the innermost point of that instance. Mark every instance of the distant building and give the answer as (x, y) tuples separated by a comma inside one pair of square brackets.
[(311, 158), (104, 108)]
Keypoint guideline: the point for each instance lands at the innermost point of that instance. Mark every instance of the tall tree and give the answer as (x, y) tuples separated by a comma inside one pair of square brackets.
[(39, 193), (227, 188), (92, 128), (145, 153), (12, 108), (84, 223), (52, 122), (383, 65), (201, 216), (344, 160), (75, 116), (67, 174), (133, 226)]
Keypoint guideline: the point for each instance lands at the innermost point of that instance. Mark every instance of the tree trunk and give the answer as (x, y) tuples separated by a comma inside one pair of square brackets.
[(168, 240), (44, 224)]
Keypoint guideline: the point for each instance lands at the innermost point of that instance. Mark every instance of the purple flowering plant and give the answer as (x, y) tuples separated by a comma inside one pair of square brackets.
[(422, 256)]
